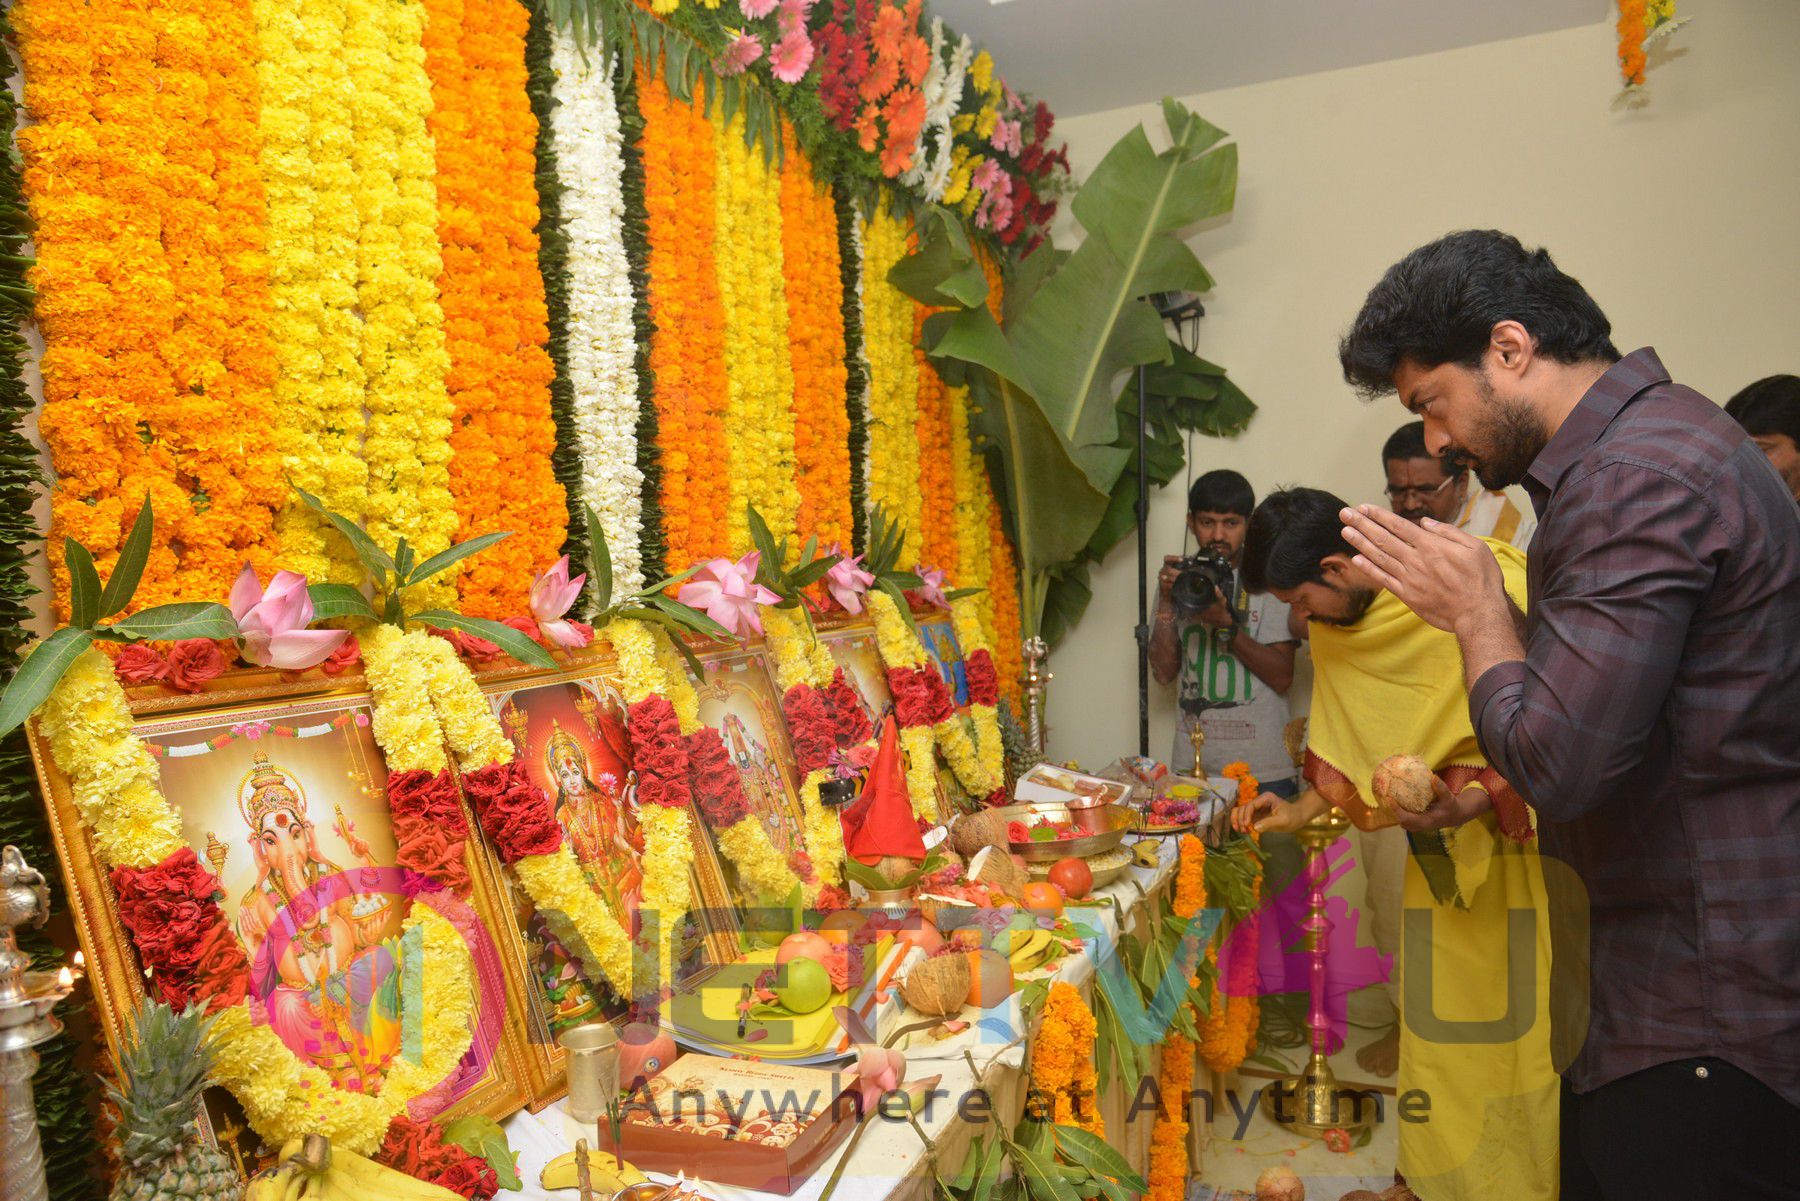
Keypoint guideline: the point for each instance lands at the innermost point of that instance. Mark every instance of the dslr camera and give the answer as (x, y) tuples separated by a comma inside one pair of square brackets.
[(1203, 577)]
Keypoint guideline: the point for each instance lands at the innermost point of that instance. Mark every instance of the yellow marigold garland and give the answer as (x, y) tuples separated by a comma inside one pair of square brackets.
[(901, 648), (407, 440), (313, 224), (405, 725), (801, 660), (894, 469), (495, 322), (759, 374), (1062, 1061), (687, 351), (113, 779), (979, 761), (816, 350)]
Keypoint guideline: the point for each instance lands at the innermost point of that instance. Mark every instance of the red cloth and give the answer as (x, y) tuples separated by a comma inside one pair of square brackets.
[(880, 822)]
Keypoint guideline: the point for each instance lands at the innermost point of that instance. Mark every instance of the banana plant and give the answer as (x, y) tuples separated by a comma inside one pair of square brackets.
[(390, 574), (90, 604), (1044, 377), (651, 604)]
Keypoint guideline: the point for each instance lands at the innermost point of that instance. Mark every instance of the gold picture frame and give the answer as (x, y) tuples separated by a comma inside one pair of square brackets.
[(240, 711)]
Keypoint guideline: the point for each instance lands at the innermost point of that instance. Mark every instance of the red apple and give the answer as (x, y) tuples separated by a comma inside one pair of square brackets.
[(1073, 876), (802, 944)]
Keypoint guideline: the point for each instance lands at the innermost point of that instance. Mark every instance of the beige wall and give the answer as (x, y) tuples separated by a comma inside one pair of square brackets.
[(1682, 217)]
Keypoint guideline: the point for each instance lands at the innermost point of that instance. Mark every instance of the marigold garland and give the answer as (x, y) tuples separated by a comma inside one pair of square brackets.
[(936, 485), (1228, 1033), (804, 672), (816, 348), (688, 348), (759, 375), (1169, 1169), (494, 318), (918, 706), (1633, 27), (141, 168), (1062, 1062), (893, 458)]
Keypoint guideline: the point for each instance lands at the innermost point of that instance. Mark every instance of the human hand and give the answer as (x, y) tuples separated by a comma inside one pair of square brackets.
[(1165, 579), (1439, 572), (1447, 809), (1216, 616), (1267, 813)]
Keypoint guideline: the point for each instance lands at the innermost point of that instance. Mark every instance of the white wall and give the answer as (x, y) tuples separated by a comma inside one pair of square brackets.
[(1681, 217)]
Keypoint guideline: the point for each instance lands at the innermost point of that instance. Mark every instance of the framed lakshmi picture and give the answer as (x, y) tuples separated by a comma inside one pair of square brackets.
[(285, 804), (570, 731)]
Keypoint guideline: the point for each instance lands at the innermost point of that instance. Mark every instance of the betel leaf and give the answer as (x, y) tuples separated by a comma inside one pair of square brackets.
[(481, 1135), (122, 584), (374, 560), (338, 600), (455, 554), (170, 623), (503, 636), (84, 585), (600, 570), (42, 670)]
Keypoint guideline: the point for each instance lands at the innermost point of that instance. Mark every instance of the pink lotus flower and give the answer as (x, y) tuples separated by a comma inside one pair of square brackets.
[(736, 58), (272, 622), (932, 590), (552, 593), (878, 1070), (792, 55), (756, 10), (728, 593), (847, 581)]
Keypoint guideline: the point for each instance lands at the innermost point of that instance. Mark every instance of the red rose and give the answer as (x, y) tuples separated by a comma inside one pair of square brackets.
[(920, 698), (192, 662), (347, 655), (427, 796), (852, 723), (419, 1150), (984, 684), (221, 970), (173, 916), (434, 854), (138, 663), (658, 753), (717, 788), (525, 626), (514, 813), (812, 725)]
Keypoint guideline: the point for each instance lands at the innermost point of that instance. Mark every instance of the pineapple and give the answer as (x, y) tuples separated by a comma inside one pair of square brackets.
[(164, 1066)]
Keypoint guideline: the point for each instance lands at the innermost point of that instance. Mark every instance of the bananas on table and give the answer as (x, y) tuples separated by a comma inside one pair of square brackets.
[(314, 1170), (608, 1175)]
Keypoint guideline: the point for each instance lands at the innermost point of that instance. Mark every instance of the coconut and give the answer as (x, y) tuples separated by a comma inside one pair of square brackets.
[(1280, 1184), (895, 868), (978, 830), (1361, 1194), (934, 906), (995, 868), (1404, 782), (938, 986)]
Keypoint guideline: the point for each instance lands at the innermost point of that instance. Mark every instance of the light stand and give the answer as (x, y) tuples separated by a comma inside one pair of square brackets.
[(1176, 307)]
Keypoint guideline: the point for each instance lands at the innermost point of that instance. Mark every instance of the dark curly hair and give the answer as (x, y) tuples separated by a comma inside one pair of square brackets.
[(1290, 535), (1769, 406), (1440, 304)]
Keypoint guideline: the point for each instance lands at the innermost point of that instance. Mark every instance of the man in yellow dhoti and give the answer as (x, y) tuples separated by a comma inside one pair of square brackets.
[(1475, 955)]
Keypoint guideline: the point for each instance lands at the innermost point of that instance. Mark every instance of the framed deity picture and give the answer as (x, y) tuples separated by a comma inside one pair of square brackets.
[(939, 637), (285, 803), (570, 730), (851, 642)]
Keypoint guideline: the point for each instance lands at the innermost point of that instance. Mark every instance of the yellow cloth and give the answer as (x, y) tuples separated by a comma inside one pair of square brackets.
[(1390, 684)]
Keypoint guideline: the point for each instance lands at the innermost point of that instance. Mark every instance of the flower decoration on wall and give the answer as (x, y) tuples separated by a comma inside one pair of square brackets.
[(1641, 24), (728, 593)]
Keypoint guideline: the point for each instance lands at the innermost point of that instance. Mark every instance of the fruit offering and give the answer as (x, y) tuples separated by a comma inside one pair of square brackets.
[(1043, 899), (807, 987), (1073, 877)]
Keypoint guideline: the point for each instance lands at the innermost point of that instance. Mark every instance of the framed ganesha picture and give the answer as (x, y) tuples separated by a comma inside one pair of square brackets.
[(354, 964), (571, 732)]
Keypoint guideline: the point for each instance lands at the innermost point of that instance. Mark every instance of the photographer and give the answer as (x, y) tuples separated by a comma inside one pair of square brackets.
[(1211, 633)]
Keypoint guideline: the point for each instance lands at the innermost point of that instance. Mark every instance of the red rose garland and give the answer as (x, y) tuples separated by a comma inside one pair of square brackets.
[(813, 725), (429, 827), (853, 728), (419, 1150), (514, 813), (717, 789), (172, 912), (984, 681), (920, 696), (659, 753), (192, 662)]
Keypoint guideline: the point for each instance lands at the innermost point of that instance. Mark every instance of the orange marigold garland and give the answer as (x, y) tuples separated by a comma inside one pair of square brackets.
[(145, 129), (1633, 28), (687, 351), (815, 297), (495, 323), (1063, 1084), (1229, 1032), (1168, 1136)]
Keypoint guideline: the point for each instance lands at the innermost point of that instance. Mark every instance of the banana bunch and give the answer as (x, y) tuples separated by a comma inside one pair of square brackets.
[(1144, 853), (1031, 949), (606, 1174), (314, 1170)]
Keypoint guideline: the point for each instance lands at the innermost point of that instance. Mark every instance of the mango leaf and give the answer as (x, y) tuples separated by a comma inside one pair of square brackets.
[(692, 618), (987, 1171), (1081, 1147), (122, 584), (674, 628), (189, 619), (338, 600), (503, 636), (1042, 1178), (898, 596), (374, 560), (42, 670), (481, 1135), (455, 554), (84, 585), (600, 570), (403, 563)]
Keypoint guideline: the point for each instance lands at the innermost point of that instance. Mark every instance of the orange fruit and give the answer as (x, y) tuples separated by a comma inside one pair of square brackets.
[(991, 978), (840, 926), (1042, 898)]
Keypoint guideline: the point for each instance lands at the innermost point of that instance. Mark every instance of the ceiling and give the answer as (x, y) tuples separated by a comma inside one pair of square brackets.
[(1084, 56)]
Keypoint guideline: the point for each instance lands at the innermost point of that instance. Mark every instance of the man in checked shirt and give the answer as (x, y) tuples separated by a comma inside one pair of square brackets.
[(1648, 707)]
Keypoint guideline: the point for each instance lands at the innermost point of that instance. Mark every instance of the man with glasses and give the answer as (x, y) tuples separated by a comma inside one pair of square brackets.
[(1421, 485)]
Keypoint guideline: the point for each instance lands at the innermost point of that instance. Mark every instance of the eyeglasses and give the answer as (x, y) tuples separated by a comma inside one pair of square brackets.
[(1399, 495)]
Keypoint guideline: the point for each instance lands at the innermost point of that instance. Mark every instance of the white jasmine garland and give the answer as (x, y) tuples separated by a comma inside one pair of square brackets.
[(861, 397), (602, 333), (942, 89)]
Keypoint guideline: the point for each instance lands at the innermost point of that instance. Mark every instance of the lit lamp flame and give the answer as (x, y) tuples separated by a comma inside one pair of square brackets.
[(80, 961), (65, 978)]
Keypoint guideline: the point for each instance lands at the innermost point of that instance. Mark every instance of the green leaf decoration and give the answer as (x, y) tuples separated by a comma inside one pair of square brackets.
[(600, 570), (171, 623), (122, 584), (898, 596), (481, 1135), (339, 600), (39, 675), (503, 636), (374, 560), (403, 563), (455, 554), (1090, 1151), (668, 582), (84, 585), (1042, 1178), (692, 618)]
